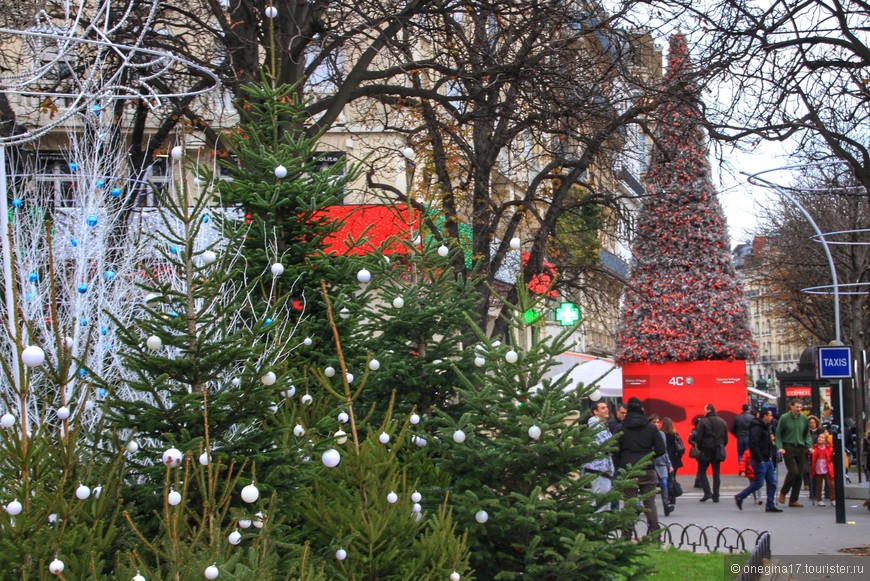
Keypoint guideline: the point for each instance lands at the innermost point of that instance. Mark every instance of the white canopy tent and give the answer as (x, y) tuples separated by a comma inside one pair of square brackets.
[(588, 369), (760, 393)]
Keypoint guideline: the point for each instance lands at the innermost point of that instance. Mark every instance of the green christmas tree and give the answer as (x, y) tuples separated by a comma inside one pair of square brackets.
[(513, 447)]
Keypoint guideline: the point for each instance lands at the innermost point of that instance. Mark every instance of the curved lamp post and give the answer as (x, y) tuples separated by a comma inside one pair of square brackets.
[(837, 395)]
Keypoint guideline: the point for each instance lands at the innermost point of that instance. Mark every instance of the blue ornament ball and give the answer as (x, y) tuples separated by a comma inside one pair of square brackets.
[(17, 203), (29, 296), (102, 392), (92, 220), (73, 166), (268, 321), (173, 249), (104, 331), (205, 218), (33, 277), (101, 184), (83, 372), (74, 242), (109, 275), (83, 322), (116, 192), (83, 288)]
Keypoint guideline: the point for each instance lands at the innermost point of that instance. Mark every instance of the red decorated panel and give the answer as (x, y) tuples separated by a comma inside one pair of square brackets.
[(681, 390)]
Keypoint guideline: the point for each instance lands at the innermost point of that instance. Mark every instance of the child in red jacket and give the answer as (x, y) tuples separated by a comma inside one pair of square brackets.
[(822, 468), (747, 471)]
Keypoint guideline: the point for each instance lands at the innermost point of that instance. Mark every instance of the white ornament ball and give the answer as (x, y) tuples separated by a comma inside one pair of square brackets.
[(290, 392), (364, 276), (235, 537), (62, 412), (250, 493), (132, 446), (384, 438), (416, 507), (511, 356), (307, 342), (392, 498), (211, 572), (307, 399), (280, 172), (174, 498), (331, 458), (481, 516), (595, 395), (374, 364), (172, 457), (68, 342), (343, 417), (329, 372), (52, 518), (7, 420), (56, 567), (534, 432), (258, 520), (203, 459), (153, 342), (349, 377), (398, 302), (14, 508), (277, 269), (341, 554), (479, 361), (416, 496), (515, 243), (414, 419), (420, 441), (458, 436), (83, 492), (443, 250), (340, 437), (271, 12), (138, 577), (98, 491), (269, 379), (33, 356), (344, 313), (198, 181), (236, 382), (177, 152), (209, 257), (245, 523), (298, 430), (454, 576)]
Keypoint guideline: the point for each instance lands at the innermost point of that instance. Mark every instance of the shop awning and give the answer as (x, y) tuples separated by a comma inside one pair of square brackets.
[(760, 393), (588, 370)]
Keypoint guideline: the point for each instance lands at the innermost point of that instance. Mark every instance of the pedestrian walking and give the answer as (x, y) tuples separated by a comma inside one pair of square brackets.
[(793, 442), (712, 437), (761, 452), (601, 467), (740, 430), (637, 440)]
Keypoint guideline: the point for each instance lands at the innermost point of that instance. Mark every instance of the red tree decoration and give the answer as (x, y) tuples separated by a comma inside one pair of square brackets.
[(684, 301)]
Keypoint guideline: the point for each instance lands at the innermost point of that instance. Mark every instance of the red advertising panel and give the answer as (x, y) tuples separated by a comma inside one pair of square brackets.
[(681, 390)]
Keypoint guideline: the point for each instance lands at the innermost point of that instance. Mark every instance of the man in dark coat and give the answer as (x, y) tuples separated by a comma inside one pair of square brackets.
[(637, 439), (762, 451), (712, 433), (740, 429)]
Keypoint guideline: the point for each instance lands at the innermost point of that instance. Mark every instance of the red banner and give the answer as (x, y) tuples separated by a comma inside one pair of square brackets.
[(681, 390)]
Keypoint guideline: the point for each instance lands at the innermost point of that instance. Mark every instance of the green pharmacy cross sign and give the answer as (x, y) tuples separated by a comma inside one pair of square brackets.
[(567, 314)]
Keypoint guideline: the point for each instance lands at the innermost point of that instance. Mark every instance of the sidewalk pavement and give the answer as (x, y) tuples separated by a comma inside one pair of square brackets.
[(811, 530)]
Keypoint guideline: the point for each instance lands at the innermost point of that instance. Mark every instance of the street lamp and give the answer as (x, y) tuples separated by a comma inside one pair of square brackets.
[(837, 396)]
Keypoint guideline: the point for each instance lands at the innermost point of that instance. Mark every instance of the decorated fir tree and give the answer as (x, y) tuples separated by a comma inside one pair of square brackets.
[(684, 301), (513, 446)]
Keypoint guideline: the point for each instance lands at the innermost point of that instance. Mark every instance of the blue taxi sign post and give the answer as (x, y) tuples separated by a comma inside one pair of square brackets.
[(834, 362)]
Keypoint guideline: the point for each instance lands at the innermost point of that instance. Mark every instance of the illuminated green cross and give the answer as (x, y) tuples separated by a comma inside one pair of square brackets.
[(567, 314)]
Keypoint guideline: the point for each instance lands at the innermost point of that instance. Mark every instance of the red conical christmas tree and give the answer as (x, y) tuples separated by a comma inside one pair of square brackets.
[(684, 301)]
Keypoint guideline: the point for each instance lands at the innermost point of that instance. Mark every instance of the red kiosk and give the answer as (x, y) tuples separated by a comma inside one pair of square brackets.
[(680, 390)]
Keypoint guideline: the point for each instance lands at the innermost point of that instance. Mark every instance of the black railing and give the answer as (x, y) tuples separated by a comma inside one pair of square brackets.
[(710, 539), (757, 559)]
